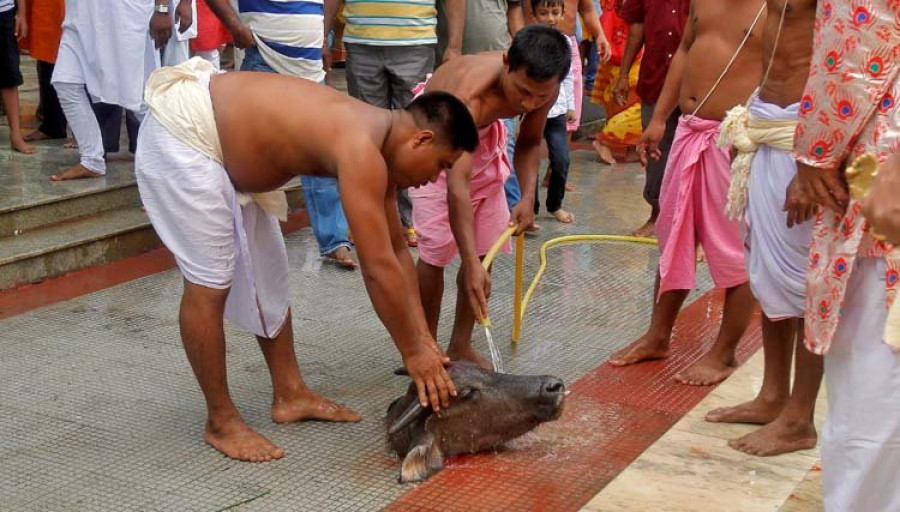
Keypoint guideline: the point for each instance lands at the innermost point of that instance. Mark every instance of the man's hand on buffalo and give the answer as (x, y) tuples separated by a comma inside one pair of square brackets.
[(426, 368)]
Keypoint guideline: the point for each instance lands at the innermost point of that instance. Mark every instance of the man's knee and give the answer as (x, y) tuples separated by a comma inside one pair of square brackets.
[(211, 296)]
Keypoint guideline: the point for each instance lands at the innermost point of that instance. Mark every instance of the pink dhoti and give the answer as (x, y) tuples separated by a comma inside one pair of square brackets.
[(431, 214), (692, 210)]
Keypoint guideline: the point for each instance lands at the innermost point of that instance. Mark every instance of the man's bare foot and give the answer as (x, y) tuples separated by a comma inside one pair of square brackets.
[(471, 356), (36, 136), (701, 256), (780, 436), (341, 258), (564, 216), (75, 173), (546, 182), (19, 145), (570, 187), (70, 144), (644, 349), (238, 441), (708, 371), (647, 230), (307, 405), (533, 228), (604, 153), (756, 411)]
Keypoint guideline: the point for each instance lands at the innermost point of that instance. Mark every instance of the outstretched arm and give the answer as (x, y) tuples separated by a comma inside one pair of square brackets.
[(591, 21), (462, 223), (632, 46), (388, 272), (668, 97), (527, 160)]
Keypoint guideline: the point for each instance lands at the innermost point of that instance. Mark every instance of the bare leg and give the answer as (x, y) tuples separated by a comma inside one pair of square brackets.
[(201, 319), (717, 364), (460, 347), (778, 351), (431, 290), (10, 96), (649, 227), (654, 344), (292, 400), (793, 429)]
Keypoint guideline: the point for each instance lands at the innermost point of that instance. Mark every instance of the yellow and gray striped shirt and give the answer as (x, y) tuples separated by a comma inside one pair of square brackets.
[(390, 22)]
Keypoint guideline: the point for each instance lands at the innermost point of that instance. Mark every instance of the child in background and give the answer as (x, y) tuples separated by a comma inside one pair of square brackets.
[(550, 13)]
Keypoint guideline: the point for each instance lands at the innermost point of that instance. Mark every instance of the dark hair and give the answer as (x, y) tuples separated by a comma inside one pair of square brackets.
[(549, 3), (448, 117), (543, 51)]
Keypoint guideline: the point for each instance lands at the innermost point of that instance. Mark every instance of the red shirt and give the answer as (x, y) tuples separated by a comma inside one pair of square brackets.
[(664, 22)]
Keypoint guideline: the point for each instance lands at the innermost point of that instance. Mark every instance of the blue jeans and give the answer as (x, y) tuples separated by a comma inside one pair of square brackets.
[(511, 187), (323, 201)]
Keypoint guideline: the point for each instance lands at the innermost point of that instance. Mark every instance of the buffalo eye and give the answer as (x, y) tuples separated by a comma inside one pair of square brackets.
[(468, 393)]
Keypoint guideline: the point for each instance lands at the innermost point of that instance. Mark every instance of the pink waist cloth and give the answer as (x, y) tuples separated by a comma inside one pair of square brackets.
[(490, 166), (692, 210), (490, 169)]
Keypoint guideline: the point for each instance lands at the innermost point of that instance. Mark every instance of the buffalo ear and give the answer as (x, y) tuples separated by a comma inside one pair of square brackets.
[(422, 461)]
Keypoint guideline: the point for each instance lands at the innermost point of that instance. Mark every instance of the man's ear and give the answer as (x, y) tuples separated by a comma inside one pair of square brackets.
[(423, 137)]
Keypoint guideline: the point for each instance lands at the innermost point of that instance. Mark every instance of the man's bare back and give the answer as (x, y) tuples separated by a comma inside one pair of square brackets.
[(266, 142), (477, 80), (718, 27), (790, 62)]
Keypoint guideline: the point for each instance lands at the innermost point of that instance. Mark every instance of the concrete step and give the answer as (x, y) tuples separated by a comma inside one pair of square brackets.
[(73, 242), (23, 218), (73, 245)]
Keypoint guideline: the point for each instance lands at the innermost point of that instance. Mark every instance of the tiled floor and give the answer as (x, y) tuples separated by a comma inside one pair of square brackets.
[(99, 409)]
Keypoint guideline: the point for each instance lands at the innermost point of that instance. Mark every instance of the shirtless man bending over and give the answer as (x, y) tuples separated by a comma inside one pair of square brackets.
[(465, 210), (695, 186), (207, 155)]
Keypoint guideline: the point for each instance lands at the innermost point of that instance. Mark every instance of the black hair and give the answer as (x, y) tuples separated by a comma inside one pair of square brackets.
[(543, 51), (448, 117), (549, 3)]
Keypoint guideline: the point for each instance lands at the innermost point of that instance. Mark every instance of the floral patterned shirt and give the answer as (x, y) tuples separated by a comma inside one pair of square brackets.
[(849, 108)]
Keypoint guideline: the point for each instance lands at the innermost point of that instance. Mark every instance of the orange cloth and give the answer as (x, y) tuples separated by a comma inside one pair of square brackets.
[(45, 19), (211, 33)]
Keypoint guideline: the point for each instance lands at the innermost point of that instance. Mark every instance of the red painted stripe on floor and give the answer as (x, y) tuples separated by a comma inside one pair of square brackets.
[(100, 277), (611, 417)]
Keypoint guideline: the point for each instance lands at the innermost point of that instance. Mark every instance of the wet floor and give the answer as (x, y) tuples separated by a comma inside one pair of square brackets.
[(101, 410)]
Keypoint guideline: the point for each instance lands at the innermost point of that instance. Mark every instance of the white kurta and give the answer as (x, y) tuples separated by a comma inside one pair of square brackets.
[(177, 49), (106, 45)]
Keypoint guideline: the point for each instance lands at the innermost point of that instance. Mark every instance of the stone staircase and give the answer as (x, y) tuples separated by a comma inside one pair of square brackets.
[(71, 230)]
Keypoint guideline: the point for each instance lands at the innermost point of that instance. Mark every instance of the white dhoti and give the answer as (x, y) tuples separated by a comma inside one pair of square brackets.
[(776, 256), (861, 438), (219, 237), (105, 55)]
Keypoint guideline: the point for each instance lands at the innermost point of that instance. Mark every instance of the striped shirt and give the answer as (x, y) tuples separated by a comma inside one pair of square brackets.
[(7, 5), (289, 34), (390, 22)]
